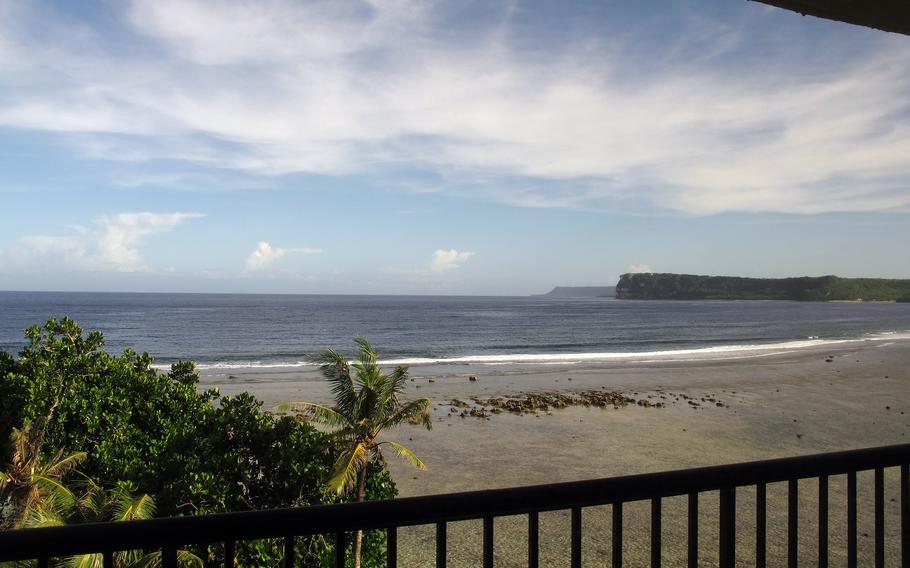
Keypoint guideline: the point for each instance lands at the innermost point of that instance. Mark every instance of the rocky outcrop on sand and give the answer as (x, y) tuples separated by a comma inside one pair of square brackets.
[(548, 401)]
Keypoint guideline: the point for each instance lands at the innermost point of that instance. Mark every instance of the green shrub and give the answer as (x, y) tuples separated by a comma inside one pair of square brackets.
[(194, 451)]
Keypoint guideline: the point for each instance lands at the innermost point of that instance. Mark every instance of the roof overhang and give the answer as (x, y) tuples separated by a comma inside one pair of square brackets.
[(886, 15)]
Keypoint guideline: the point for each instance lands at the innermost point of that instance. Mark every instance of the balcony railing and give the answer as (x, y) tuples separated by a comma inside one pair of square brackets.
[(168, 534)]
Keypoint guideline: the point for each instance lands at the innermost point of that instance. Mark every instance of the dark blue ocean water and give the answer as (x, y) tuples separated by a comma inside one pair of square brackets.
[(228, 330)]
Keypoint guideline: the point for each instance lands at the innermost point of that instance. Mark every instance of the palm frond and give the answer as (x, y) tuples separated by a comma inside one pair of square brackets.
[(92, 500), (405, 453), (317, 412), (85, 561), (129, 508), (368, 405), (40, 516), (344, 473), (185, 558), (52, 490), (413, 411), (61, 466), (395, 383), (334, 367), (368, 356)]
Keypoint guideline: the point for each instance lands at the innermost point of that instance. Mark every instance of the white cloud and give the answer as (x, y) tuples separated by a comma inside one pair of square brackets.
[(111, 244), (444, 260), (635, 268), (334, 88), (265, 254)]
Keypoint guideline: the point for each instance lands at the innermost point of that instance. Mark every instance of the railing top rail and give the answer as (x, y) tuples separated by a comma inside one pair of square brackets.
[(327, 519)]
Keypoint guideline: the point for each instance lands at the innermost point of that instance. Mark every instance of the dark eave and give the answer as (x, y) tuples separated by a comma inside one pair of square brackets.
[(887, 15)]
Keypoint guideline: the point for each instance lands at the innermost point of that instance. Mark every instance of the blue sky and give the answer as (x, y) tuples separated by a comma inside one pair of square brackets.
[(444, 147)]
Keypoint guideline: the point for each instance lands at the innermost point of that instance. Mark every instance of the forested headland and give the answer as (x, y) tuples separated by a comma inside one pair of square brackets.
[(667, 286)]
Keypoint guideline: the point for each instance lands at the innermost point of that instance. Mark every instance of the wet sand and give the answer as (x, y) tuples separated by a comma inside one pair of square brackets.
[(774, 405)]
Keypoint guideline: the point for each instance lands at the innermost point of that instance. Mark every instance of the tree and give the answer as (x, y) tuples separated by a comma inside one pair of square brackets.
[(118, 505), (365, 405), (32, 489), (193, 451)]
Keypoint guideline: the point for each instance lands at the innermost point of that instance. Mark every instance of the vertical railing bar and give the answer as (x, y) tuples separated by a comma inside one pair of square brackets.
[(905, 516), (391, 547), (727, 527), (169, 557), (533, 539), (851, 519), (655, 532), (761, 525), (792, 523), (823, 521), (617, 535), (488, 542), (879, 517), (341, 545), (441, 545), (229, 554), (107, 559), (44, 562), (289, 552), (693, 530), (576, 537)]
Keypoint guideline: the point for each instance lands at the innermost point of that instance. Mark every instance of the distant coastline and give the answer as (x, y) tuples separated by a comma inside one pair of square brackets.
[(668, 286), (580, 292)]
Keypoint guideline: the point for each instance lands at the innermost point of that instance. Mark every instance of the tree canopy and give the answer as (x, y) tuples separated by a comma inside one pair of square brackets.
[(193, 450)]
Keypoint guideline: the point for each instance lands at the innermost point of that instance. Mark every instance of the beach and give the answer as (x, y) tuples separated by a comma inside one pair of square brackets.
[(756, 406)]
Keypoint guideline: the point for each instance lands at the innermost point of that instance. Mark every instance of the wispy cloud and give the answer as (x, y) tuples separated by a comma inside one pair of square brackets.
[(445, 260), (335, 88), (636, 268), (111, 244), (265, 254)]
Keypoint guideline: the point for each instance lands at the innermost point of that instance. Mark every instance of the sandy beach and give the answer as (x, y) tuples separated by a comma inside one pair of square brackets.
[(801, 401)]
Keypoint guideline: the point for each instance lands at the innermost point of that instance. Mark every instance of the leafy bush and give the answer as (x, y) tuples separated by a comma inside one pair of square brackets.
[(195, 452)]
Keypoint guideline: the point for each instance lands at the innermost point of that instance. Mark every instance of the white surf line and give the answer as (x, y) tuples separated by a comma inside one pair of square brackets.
[(715, 353)]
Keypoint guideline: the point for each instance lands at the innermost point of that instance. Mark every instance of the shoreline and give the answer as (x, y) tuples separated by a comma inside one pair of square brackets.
[(580, 359), (274, 385), (804, 401)]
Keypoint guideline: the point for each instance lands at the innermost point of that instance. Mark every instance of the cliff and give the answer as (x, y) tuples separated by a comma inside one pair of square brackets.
[(651, 286)]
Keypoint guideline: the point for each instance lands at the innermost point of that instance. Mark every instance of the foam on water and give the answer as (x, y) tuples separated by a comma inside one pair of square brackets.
[(716, 352)]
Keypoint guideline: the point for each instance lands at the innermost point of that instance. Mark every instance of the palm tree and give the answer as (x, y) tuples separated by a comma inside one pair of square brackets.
[(365, 405), (33, 495), (32, 490), (120, 504)]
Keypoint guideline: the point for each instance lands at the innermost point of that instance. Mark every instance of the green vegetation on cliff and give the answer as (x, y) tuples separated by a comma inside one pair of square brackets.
[(652, 286)]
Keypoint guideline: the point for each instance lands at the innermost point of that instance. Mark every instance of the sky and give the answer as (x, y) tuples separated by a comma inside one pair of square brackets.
[(434, 147)]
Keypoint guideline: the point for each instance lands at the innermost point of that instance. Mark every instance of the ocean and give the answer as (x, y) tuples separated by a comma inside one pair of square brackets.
[(228, 331)]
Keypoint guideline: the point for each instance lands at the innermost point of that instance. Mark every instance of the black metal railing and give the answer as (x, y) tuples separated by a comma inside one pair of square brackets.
[(339, 520)]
